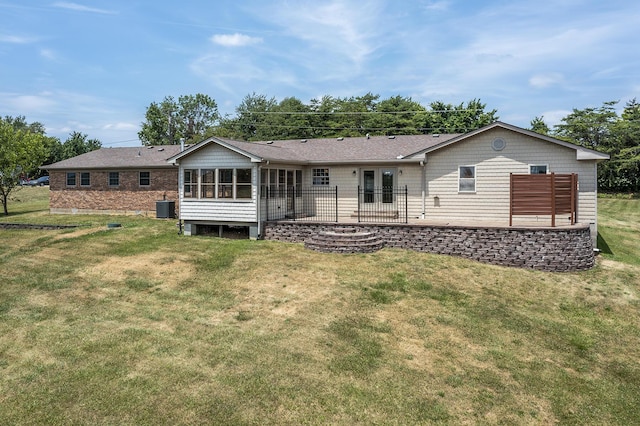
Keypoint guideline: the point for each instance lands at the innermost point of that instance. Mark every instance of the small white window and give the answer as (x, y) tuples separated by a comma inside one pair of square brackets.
[(467, 179), (538, 169)]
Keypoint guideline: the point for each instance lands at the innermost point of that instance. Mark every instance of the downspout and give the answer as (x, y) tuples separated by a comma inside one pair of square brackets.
[(258, 195), (423, 164)]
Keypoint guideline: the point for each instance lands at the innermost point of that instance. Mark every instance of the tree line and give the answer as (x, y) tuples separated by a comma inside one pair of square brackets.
[(193, 118)]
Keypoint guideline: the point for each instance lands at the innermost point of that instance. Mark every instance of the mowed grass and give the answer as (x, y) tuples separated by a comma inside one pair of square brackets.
[(139, 325)]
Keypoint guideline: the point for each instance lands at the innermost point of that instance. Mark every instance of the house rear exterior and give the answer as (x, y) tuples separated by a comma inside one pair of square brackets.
[(449, 179), (114, 181)]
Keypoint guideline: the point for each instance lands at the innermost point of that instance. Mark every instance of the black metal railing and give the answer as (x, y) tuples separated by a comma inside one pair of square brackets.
[(321, 204), (317, 203), (385, 204)]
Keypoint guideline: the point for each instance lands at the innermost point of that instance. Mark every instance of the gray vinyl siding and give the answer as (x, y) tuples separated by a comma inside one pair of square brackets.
[(490, 201), (210, 210)]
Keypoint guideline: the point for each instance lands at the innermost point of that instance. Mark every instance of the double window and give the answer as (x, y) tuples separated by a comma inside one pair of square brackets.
[(222, 184), (467, 179)]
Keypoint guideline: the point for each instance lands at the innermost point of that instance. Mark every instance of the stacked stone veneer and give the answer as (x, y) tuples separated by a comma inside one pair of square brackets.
[(546, 249), (128, 198)]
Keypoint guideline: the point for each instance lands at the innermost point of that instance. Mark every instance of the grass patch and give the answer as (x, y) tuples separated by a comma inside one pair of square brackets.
[(141, 326)]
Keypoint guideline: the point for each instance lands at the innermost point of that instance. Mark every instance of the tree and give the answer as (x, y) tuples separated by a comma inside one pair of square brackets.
[(22, 148), (252, 122), (448, 118), (589, 127), (619, 136), (539, 126), (77, 144), (190, 118)]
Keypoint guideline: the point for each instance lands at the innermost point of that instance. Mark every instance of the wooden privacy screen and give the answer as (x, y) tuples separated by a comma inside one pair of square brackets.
[(544, 195)]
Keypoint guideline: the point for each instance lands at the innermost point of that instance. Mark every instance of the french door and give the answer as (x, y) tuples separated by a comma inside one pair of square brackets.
[(378, 185)]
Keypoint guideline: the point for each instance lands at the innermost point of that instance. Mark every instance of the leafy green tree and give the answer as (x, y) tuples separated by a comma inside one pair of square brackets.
[(622, 172), (539, 126), (190, 118), (253, 120), (290, 119), (448, 118), (589, 127), (22, 148), (396, 115), (619, 136), (77, 144)]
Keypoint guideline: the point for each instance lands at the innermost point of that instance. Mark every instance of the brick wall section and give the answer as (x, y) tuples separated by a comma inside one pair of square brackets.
[(546, 249), (129, 197)]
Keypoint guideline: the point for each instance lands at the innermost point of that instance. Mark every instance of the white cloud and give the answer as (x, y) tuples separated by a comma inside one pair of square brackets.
[(235, 40), (334, 30), (551, 118), (121, 126), (81, 8), (28, 104), (437, 5), (542, 81), (13, 39), (48, 54)]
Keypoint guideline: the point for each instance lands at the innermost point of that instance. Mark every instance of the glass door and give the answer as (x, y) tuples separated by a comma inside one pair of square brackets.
[(387, 185), (369, 185)]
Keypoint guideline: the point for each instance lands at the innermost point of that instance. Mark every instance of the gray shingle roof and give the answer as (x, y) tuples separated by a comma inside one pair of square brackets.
[(333, 150), (116, 158)]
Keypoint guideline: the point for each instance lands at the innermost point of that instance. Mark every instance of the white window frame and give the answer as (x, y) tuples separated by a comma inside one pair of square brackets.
[(467, 180), (208, 182), (192, 183), (546, 166), (320, 176)]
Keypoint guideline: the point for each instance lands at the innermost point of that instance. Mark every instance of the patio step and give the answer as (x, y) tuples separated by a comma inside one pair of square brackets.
[(344, 240)]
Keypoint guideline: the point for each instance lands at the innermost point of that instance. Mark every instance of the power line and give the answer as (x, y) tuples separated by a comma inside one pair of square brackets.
[(359, 112)]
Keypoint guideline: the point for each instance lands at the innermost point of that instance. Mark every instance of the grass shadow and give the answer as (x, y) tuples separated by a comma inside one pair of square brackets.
[(601, 243)]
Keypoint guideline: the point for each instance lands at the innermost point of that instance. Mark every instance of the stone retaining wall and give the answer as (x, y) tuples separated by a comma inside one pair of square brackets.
[(546, 249)]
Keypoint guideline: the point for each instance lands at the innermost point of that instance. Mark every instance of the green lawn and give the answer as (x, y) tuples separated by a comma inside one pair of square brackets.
[(139, 325)]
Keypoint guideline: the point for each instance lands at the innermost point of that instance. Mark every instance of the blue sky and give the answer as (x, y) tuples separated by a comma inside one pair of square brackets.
[(94, 66)]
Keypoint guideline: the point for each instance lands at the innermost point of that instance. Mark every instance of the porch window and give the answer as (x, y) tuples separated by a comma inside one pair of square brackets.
[(273, 182), (225, 183), (220, 184), (538, 169), (71, 179), (243, 183), (85, 179), (320, 177), (114, 178), (207, 183), (190, 183), (467, 179), (144, 178)]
